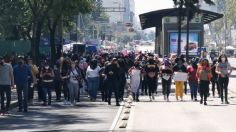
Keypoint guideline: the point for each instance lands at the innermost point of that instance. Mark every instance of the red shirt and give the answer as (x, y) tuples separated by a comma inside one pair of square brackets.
[(192, 74)]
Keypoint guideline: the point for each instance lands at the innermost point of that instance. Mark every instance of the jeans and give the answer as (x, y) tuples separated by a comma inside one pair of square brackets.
[(204, 89), (185, 87), (215, 83), (193, 89), (73, 89), (166, 84), (122, 88), (58, 89), (93, 85), (22, 94), (47, 90), (144, 85), (152, 85), (5, 89), (223, 83), (103, 87), (65, 90), (113, 87), (40, 90), (31, 92)]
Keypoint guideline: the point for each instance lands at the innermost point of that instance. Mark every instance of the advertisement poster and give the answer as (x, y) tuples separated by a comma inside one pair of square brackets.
[(193, 42)]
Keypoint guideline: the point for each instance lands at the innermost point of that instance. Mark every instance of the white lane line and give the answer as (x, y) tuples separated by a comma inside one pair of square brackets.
[(131, 118), (117, 117)]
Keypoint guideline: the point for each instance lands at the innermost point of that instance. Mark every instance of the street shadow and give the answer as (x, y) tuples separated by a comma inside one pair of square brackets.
[(47, 118)]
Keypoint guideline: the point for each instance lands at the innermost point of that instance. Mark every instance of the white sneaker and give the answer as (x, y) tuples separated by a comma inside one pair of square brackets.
[(150, 98), (153, 97)]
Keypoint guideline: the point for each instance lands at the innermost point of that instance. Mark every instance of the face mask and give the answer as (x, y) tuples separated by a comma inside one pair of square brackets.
[(223, 59), (46, 67), (20, 63)]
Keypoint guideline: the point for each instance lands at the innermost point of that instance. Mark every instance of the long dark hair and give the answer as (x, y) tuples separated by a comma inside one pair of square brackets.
[(93, 64), (219, 59)]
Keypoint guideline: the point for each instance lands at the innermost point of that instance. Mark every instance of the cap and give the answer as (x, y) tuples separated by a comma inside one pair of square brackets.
[(21, 57), (114, 59)]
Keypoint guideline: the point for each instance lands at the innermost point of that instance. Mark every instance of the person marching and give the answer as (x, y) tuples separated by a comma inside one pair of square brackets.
[(166, 72), (214, 81), (179, 67), (224, 70), (152, 71), (47, 75), (192, 79), (112, 72), (73, 85), (92, 76), (22, 73), (135, 73), (64, 69), (34, 70), (204, 77), (6, 82)]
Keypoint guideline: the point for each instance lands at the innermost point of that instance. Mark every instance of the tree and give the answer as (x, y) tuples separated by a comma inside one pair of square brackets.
[(64, 11), (192, 7)]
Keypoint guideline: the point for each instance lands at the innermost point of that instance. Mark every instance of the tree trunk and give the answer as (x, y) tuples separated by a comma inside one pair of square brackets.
[(53, 46), (35, 43)]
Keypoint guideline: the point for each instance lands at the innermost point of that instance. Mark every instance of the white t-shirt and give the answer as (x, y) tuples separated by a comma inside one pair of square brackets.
[(91, 73), (73, 75)]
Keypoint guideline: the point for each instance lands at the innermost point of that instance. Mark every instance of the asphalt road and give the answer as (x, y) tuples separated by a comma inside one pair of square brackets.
[(85, 116), (186, 116)]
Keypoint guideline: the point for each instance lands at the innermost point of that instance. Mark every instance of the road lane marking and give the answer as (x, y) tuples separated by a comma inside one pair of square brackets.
[(115, 121)]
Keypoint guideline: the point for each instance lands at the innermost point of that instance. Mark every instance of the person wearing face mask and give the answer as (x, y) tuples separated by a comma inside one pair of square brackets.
[(152, 71), (136, 73), (214, 80), (192, 79), (179, 67), (92, 76), (204, 77), (47, 76), (6, 82), (74, 80), (166, 72), (22, 73), (34, 71), (224, 70), (112, 72)]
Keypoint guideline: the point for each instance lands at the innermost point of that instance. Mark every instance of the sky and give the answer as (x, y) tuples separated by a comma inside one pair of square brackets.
[(143, 6)]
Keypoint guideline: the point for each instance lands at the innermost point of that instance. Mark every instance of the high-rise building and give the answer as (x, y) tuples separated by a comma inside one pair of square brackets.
[(114, 16), (124, 16)]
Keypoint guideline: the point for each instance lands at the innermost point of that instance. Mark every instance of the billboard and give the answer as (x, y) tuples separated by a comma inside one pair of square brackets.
[(193, 42)]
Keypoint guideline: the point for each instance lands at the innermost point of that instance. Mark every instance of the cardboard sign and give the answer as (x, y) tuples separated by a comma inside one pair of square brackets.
[(180, 76)]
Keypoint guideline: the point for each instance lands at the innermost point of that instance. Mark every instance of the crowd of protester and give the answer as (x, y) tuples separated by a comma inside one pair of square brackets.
[(104, 74)]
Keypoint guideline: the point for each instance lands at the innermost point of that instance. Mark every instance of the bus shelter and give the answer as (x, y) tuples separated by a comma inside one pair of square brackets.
[(166, 23)]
